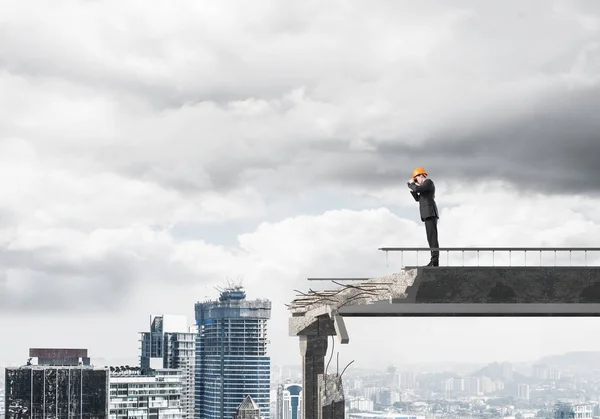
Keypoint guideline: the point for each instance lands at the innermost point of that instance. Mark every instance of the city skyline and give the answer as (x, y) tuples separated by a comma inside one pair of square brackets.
[(361, 363), (362, 336), (150, 152), (562, 384)]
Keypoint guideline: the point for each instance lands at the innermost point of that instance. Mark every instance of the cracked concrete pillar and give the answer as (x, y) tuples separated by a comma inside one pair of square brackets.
[(313, 349), (331, 397)]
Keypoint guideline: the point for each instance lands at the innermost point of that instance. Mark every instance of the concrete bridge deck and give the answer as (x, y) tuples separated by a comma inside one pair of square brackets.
[(478, 290), (439, 291)]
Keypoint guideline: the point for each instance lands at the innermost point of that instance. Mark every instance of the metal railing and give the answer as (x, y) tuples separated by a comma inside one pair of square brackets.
[(493, 251)]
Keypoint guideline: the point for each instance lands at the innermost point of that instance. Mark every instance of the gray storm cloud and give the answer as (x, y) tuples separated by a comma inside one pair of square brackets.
[(464, 86), (552, 149)]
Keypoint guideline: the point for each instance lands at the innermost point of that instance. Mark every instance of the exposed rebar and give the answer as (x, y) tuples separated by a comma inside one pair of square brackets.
[(345, 369)]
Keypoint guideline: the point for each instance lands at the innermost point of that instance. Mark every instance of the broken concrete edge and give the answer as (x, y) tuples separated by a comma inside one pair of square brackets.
[(322, 318), (482, 285), (320, 325), (380, 289), (331, 389), (311, 326)]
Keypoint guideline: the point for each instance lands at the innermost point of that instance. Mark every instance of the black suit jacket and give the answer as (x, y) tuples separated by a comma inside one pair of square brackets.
[(425, 195)]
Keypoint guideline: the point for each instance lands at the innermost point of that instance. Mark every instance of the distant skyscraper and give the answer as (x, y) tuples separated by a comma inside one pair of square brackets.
[(231, 355), (448, 385), (171, 345), (554, 374), (474, 386), (458, 384), (487, 385), (523, 392), (289, 401), (392, 378), (540, 372), (408, 380)]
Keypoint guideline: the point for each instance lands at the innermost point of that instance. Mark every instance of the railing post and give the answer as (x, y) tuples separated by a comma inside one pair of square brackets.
[(386, 259)]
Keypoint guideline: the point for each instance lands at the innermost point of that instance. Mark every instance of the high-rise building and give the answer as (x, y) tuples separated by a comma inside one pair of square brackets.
[(231, 354), (146, 393), (554, 374), (474, 386), (523, 392), (459, 384), (170, 344), (408, 380), (289, 401), (60, 385), (540, 372), (392, 377), (447, 385), (487, 385)]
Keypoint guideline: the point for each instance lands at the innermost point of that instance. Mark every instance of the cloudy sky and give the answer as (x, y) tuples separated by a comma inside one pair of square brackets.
[(151, 150)]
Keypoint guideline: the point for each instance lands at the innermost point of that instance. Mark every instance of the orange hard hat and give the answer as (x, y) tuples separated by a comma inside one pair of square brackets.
[(419, 171)]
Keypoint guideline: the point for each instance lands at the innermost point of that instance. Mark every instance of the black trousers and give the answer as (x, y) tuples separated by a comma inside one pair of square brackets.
[(432, 237)]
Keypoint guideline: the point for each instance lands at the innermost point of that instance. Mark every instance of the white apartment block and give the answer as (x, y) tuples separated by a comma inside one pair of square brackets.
[(145, 394)]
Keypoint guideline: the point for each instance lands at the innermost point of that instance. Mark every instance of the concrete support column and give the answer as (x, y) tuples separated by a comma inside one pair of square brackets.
[(313, 350), (331, 394)]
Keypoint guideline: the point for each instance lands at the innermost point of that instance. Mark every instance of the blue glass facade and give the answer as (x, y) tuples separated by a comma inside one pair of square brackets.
[(231, 355)]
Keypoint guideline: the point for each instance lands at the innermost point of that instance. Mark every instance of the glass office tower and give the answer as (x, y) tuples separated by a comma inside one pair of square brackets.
[(170, 344), (231, 354)]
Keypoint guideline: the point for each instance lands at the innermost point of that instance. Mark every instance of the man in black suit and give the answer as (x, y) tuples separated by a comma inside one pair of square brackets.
[(423, 191)]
